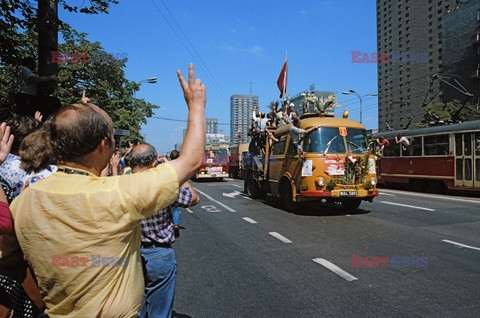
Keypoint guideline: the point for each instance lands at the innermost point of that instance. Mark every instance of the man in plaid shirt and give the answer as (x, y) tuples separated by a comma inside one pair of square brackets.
[(160, 265)]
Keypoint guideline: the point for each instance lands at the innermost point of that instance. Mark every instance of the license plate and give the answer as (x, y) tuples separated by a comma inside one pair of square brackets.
[(348, 193), (214, 170)]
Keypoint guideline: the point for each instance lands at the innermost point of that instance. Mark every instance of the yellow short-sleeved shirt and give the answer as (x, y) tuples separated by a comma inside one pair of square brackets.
[(81, 235)]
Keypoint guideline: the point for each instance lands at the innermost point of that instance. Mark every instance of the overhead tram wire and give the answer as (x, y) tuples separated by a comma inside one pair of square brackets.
[(193, 54), (196, 53), (180, 120)]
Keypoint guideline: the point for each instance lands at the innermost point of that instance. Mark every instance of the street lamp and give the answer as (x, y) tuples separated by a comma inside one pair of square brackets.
[(352, 92), (151, 80)]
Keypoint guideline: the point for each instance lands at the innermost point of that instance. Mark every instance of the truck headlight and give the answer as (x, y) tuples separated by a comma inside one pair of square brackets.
[(321, 182)]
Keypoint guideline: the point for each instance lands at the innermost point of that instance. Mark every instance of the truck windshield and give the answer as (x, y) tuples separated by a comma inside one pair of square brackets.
[(324, 140), (356, 140), (328, 140)]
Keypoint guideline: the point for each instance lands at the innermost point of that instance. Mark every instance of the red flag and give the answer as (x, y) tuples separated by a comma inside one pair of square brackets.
[(282, 80)]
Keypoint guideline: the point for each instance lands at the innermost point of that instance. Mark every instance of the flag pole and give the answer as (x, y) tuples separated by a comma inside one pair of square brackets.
[(285, 80)]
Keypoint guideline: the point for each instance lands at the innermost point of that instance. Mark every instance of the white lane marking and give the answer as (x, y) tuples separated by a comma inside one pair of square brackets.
[(334, 268), (434, 196), (216, 201), (210, 208), (229, 179), (232, 195), (408, 206), (280, 237), (388, 194), (236, 185), (249, 220), (189, 211), (462, 245), (248, 198)]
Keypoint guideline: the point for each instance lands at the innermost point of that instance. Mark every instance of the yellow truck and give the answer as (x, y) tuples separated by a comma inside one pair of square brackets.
[(330, 164)]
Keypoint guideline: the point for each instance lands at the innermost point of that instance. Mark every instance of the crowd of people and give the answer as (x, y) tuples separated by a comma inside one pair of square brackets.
[(86, 230)]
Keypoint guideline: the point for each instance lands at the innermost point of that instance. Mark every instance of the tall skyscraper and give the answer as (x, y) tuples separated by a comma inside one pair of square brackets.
[(241, 109), (410, 31), (461, 52), (212, 125)]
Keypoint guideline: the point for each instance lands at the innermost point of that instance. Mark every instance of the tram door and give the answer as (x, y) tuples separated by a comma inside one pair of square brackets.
[(467, 159)]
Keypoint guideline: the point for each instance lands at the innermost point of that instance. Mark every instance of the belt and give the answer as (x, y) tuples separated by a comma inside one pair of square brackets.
[(156, 244)]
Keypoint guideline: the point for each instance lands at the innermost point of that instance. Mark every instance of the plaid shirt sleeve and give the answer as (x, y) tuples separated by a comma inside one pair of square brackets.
[(185, 197)]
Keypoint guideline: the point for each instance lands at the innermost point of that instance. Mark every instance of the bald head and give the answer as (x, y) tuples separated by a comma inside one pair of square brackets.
[(78, 129), (141, 157)]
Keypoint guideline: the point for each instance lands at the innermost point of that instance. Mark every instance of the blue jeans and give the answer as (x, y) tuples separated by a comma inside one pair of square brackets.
[(160, 272), (176, 215)]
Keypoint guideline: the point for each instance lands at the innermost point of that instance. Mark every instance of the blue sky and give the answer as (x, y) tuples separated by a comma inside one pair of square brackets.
[(237, 46)]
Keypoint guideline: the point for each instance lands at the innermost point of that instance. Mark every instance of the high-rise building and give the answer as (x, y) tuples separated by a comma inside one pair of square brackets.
[(241, 109), (299, 99), (212, 125), (410, 31), (461, 53)]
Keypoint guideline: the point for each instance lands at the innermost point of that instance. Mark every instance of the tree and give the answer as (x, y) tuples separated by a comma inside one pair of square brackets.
[(445, 112), (105, 83), (20, 16), (103, 79)]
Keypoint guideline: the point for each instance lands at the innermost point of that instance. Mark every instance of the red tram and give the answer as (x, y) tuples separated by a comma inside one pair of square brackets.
[(437, 158)]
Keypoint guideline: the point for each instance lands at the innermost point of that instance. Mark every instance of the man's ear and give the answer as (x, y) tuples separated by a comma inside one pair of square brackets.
[(105, 146), (153, 164)]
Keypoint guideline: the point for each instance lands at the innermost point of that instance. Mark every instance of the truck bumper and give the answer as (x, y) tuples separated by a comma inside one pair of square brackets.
[(346, 193)]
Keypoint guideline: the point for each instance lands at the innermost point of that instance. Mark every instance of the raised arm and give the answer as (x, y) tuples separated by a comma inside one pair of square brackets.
[(191, 156), (309, 130)]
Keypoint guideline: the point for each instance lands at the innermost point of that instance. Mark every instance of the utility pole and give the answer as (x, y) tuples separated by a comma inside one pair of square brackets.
[(47, 18)]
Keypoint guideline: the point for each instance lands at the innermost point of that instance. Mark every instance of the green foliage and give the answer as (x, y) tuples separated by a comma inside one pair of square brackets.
[(445, 112), (20, 16), (105, 83)]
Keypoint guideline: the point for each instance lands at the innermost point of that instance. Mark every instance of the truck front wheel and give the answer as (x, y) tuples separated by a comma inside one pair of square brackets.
[(286, 196)]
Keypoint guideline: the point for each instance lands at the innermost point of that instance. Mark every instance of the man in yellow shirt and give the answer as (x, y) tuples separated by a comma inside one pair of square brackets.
[(79, 231)]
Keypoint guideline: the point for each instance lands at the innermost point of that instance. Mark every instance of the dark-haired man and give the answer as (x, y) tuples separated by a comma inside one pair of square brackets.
[(296, 131), (159, 262), (79, 231), (26, 98)]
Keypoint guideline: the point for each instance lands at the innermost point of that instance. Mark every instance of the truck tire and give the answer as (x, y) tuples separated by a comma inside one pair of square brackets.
[(286, 196), (252, 188)]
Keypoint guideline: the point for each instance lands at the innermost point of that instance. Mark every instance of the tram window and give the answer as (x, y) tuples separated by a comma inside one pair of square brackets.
[(279, 147), (477, 169), (468, 169), (477, 146), (435, 145), (415, 148), (467, 142), (458, 144), (392, 151), (459, 169)]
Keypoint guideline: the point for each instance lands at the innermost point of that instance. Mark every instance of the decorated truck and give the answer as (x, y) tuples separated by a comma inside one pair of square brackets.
[(332, 165)]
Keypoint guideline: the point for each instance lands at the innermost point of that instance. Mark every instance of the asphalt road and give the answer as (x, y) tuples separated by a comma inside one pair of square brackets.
[(239, 257)]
